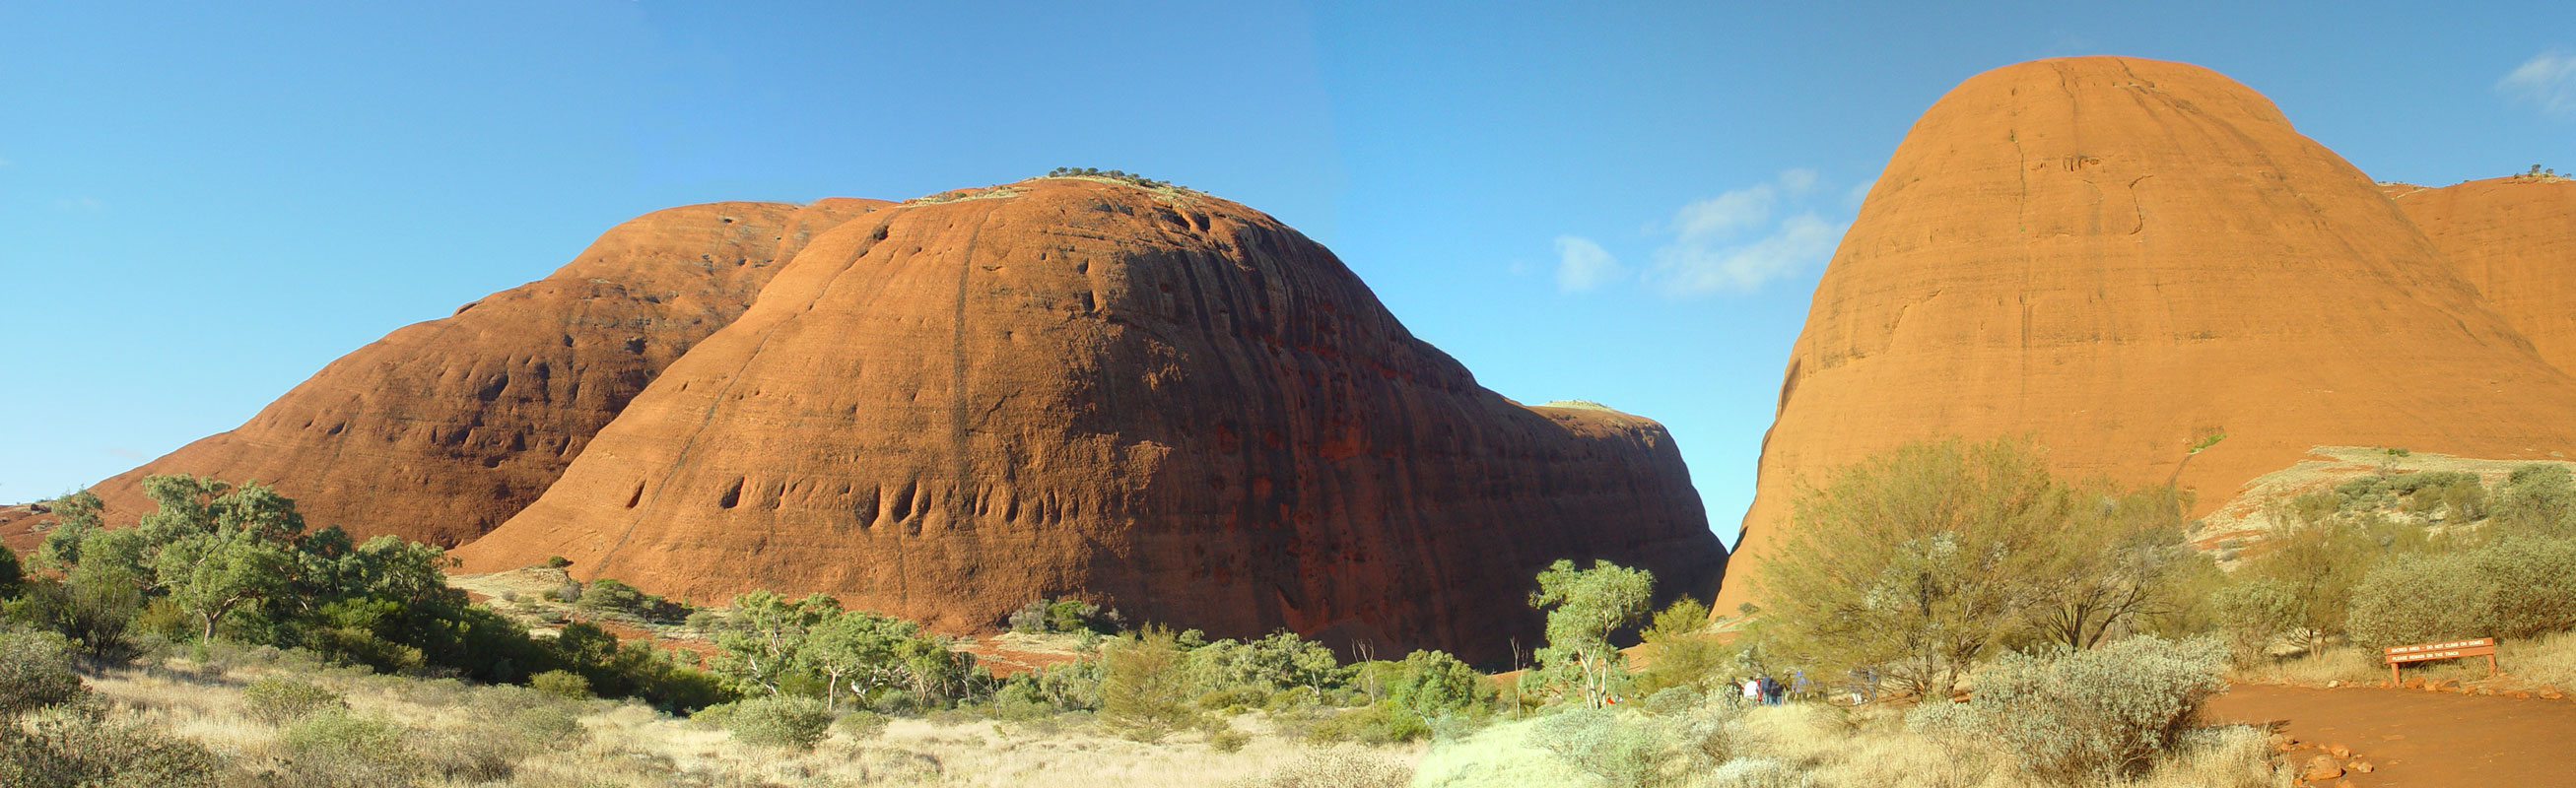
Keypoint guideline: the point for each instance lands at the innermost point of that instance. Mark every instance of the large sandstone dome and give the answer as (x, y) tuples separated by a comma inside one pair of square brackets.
[(2515, 239), (2123, 257), (443, 429), (1148, 398)]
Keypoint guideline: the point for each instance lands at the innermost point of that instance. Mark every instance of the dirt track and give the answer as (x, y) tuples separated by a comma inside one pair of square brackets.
[(2418, 739)]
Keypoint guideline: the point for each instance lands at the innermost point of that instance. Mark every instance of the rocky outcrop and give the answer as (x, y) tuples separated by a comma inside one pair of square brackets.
[(1146, 397), (443, 429), (2125, 258), (2515, 239)]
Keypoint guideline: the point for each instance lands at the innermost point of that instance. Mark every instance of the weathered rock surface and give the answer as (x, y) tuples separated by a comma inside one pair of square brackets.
[(1154, 399), (443, 429), (2515, 239), (2122, 257)]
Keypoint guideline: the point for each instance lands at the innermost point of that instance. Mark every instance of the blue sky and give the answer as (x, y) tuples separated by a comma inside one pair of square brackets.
[(202, 204)]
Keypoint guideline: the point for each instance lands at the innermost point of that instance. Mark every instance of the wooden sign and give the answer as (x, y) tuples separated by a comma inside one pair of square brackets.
[(2475, 647)]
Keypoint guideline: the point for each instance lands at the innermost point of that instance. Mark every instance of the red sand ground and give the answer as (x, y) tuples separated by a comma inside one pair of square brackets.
[(2415, 738)]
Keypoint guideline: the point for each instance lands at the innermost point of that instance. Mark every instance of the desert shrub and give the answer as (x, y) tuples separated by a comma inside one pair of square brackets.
[(2426, 598), (2252, 611), (862, 724), (2535, 585), (76, 745), (787, 721), (611, 594), (1599, 743), (2082, 716), (1755, 773), (615, 596), (277, 700), (557, 562), (35, 672), (1433, 684), (1145, 685), (562, 684), (1054, 689), (1334, 769), (2538, 500), (2515, 587), (1383, 722), (1920, 562), (339, 749), (1683, 617), (94, 607), (1230, 673), (1074, 615)]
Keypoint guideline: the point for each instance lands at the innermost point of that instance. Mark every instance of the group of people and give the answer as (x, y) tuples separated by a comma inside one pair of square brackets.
[(1766, 690)]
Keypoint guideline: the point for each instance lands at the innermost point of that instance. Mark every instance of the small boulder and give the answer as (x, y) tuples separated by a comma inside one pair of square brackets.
[(2322, 767), (2360, 767), (2338, 750)]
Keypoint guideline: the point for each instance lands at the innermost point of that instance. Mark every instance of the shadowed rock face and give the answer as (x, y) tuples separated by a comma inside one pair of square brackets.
[(1154, 399), (2515, 238), (2120, 257), (443, 429)]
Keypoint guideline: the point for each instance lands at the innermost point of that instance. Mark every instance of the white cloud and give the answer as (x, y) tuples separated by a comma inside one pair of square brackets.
[(1798, 181), (1859, 192), (1726, 213), (81, 203), (1733, 242), (1584, 265), (2548, 81), (1687, 268)]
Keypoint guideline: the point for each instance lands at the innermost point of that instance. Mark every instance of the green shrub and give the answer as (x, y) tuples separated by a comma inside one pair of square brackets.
[(2538, 500), (557, 562), (2516, 587), (277, 701), (35, 672), (2252, 611), (2421, 599), (862, 724), (563, 684), (73, 745), (2082, 717), (2535, 585), (788, 721), (1383, 722), (1145, 686), (1228, 740), (1433, 684), (338, 749)]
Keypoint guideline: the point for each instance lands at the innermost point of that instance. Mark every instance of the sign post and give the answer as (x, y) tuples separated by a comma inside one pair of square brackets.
[(2480, 647)]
